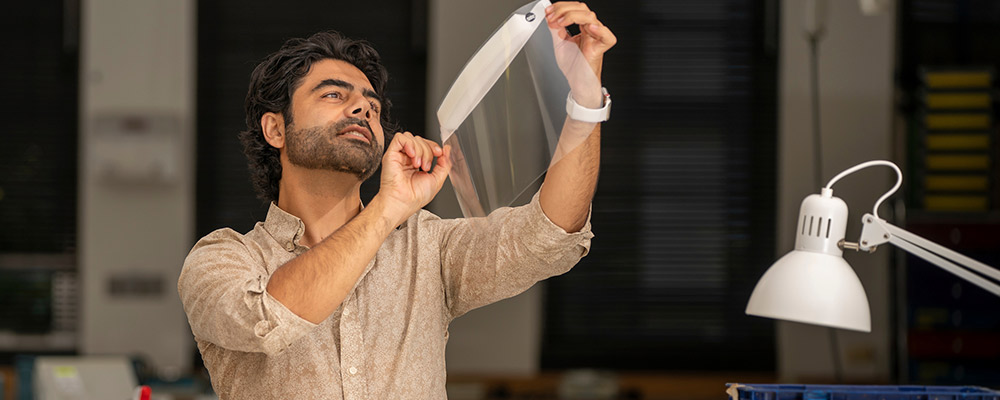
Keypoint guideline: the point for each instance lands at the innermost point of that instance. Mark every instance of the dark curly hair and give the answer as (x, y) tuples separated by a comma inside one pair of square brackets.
[(275, 79)]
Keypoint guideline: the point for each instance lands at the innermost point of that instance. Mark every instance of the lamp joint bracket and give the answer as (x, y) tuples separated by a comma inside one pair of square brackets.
[(873, 233)]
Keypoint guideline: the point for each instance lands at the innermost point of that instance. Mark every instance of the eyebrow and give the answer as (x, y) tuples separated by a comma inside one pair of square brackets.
[(346, 85)]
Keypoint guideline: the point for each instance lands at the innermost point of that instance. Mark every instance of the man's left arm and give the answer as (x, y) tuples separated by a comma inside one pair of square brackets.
[(570, 183)]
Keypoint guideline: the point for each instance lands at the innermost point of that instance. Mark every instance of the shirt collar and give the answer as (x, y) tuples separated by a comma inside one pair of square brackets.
[(285, 228)]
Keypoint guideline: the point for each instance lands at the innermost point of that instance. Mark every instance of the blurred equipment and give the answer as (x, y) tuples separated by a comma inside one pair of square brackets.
[(813, 284), (83, 378), (38, 303), (871, 8), (953, 148), (740, 391), (815, 19), (135, 149), (588, 384)]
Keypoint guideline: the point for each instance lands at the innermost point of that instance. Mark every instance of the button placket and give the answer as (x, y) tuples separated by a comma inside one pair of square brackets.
[(352, 347)]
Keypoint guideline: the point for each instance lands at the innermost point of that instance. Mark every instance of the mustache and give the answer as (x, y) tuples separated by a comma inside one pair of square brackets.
[(344, 123)]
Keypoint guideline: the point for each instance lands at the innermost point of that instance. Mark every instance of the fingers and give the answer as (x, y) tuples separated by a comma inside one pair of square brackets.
[(433, 150), (563, 14), (419, 151), (566, 13), (602, 35), (424, 152), (399, 141), (443, 166)]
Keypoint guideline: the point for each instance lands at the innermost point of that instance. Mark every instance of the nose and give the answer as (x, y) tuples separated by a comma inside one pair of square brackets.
[(363, 110)]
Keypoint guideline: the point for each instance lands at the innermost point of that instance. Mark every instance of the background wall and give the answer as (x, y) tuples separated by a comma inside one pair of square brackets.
[(856, 61), (136, 218)]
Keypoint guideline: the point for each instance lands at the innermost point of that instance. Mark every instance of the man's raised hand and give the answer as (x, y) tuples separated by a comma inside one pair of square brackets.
[(410, 179), (594, 38)]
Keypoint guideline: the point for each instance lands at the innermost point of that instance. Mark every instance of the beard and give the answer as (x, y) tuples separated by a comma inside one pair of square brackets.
[(320, 148)]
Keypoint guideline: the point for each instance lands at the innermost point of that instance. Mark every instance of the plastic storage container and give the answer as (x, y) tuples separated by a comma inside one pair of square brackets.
[(749, 391)]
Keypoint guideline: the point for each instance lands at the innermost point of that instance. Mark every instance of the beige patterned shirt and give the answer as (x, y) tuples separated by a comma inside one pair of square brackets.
[(387, 340)]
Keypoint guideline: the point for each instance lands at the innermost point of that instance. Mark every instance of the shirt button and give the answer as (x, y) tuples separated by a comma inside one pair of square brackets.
[(353, 370), (346, 312), (290, 246)]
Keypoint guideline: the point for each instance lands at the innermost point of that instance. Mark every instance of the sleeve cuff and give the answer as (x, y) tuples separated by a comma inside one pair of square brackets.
[(280, 326), (551, 236)]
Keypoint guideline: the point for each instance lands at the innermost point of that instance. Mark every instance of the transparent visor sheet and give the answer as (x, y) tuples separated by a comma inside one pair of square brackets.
[(505, 116)]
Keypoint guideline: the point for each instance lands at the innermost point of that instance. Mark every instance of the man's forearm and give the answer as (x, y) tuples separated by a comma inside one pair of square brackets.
[(570, 184), (315, 283)]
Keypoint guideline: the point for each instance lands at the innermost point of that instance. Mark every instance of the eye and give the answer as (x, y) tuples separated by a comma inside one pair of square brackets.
[(332, 95), (374, 106)]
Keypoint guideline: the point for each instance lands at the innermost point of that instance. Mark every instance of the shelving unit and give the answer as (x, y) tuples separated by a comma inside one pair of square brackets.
[(948, 330)]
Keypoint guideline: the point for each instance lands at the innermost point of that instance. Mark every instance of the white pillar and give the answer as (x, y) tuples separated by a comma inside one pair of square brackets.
[(856, 61), (136, 177)]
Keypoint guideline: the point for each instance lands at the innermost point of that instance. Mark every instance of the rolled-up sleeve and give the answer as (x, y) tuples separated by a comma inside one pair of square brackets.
[(485, 260), (223, 289)]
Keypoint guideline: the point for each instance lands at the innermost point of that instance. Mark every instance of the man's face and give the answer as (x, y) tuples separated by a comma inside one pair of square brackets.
[(335, 121)]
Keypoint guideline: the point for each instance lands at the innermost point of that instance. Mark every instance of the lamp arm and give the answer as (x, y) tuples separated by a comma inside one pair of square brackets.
[(877, 231)]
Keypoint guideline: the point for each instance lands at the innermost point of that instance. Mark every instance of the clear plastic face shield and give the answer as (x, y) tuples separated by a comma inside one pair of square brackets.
[(505, 116)]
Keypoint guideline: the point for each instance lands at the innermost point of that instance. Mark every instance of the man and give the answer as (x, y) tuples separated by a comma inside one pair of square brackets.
[(329, 298)]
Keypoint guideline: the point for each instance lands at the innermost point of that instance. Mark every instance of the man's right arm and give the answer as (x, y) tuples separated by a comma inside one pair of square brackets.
[(314, 284), (231, 302), (222, 288)]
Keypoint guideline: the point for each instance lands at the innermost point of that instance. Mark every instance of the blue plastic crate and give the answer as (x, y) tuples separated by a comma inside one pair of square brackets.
[(749, 391)]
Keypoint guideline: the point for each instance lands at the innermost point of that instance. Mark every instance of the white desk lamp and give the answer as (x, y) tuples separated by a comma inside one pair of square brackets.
[(814, 285)]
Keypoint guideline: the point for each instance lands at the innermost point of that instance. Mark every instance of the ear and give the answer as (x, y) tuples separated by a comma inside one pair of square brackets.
[(273, 126)]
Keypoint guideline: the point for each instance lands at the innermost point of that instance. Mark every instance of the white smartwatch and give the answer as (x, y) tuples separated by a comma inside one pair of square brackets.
[(584, 114)]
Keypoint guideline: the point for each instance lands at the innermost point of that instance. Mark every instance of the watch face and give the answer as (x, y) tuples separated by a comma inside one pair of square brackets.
[(505, 115)]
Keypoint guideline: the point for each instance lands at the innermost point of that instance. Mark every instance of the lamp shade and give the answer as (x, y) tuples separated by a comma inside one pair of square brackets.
[(813, 284), (813, 288)]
